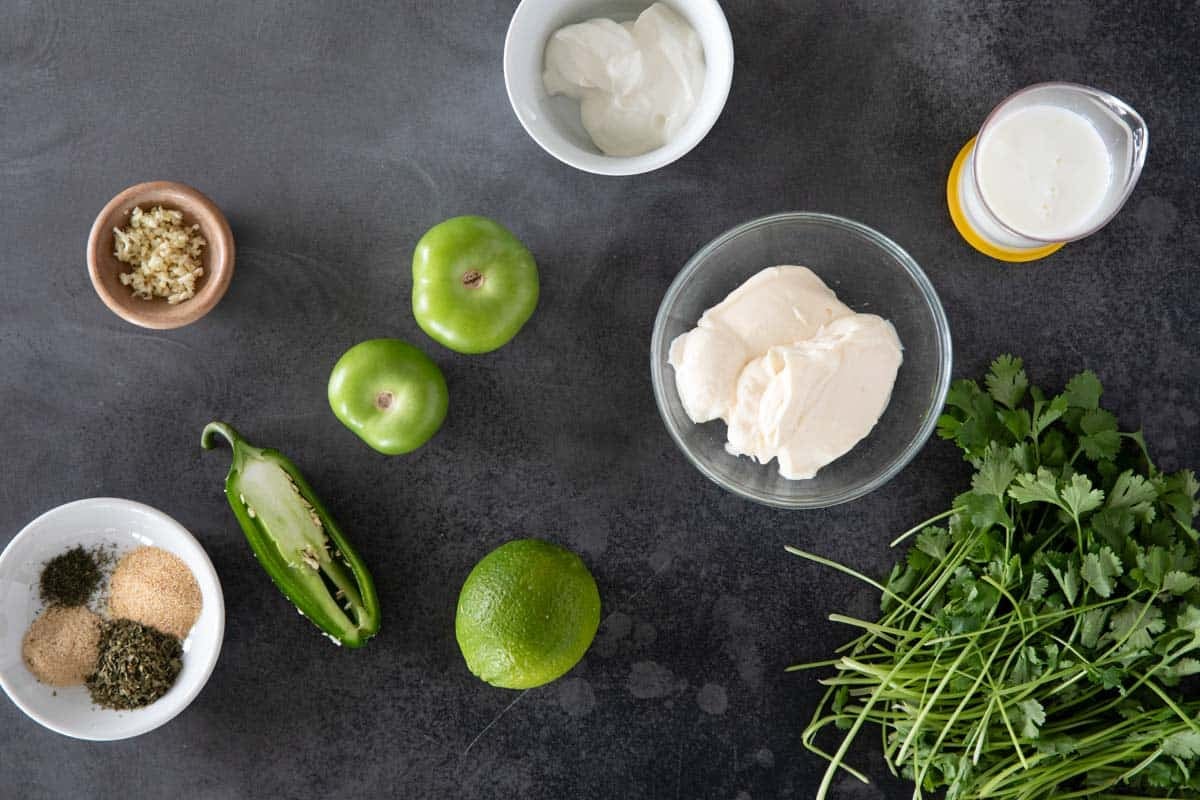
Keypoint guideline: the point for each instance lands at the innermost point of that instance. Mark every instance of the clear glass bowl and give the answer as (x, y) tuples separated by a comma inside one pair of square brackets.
[(870, 273)]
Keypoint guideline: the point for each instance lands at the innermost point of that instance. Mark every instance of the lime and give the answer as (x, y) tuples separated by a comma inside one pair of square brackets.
[(526, 614)]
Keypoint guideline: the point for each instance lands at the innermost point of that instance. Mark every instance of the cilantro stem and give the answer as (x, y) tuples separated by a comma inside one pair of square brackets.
[(854, 574), (922, 526)]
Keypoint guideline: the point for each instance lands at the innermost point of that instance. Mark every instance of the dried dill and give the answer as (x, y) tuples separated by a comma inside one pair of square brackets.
[(137, 665), (71, 578)]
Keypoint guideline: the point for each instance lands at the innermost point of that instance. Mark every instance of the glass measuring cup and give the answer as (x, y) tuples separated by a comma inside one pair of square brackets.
[(1125, 137)]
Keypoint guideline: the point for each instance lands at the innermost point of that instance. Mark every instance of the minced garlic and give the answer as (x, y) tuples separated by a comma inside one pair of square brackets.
[(166, 254)]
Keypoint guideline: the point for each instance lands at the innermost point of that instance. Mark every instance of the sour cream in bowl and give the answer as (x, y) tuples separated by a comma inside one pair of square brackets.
[(614, 87)]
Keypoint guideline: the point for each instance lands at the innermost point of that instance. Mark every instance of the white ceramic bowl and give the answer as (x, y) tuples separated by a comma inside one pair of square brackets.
[(554, 122), (125, 524)]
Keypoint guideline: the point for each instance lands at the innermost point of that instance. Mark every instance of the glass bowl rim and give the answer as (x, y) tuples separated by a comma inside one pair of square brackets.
[(658, 377)]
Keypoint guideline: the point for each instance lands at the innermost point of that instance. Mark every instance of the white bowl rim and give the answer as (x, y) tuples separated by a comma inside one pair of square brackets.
[(658, 375), (207, 666), (600, 164)]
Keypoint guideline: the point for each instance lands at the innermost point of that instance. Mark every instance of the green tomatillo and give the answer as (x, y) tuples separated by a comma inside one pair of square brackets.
[(474, 284), (389, 393)]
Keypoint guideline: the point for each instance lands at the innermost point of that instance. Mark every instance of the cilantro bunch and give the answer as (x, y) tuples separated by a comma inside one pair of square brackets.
[(1033, 642)]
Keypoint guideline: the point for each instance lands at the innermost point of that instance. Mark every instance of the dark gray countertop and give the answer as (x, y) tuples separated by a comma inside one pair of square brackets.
[(333, 135)]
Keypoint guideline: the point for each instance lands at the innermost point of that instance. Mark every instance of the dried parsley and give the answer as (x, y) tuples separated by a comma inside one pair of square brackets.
[(71, 578), (137, 665)]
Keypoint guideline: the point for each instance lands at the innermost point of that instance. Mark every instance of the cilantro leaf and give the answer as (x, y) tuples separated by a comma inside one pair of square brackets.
[(1058, 745), (1130, 490), (1006, 381), (1027, 667), (902, 579), (1179, 493), (1159, 774), (1100, 440), (1161, 533), (934, 542), (1083, 391), (1185, 744), (1030, 716), (1040, 488), (1038, 584), (918, 561), (964, 395), (1135, 626), (970, 419), (1022, 456), (1017, 421), (1079, 497), (1109, 678), (1052, 654), (1186, 484), (1091, 626), (1068, 579), (1153, 564), (1113, 525), (949, 427), (984, 510), (1099, 570), (1044, 414), (995, 473), (1183, 557), (1054, 448), (1182, 668), (1189, 620), (1097, 420), (1179, 582)]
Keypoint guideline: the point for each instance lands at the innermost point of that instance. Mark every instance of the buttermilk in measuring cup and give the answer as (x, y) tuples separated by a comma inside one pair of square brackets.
[(1053, 163), (1044, 170)]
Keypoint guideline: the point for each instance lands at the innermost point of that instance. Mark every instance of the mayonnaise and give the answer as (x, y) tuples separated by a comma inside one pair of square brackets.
[(637, 82), (795, 374), (1044, 171)]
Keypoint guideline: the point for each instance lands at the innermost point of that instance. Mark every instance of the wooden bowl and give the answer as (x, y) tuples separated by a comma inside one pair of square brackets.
[(105, 270)]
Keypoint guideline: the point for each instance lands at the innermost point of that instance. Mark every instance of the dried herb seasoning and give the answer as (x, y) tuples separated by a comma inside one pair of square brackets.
[(71, 578), (137, 665)]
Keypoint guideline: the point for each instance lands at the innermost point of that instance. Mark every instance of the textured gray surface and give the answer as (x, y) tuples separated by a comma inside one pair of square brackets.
[(333, 135)]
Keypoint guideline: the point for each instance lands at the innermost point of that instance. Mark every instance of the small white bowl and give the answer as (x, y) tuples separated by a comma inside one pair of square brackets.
[(554, 122), (96, 521)]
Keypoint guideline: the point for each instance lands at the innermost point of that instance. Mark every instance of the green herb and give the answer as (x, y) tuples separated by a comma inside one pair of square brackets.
[(70, 579), (137, 665), (1033, 641)]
